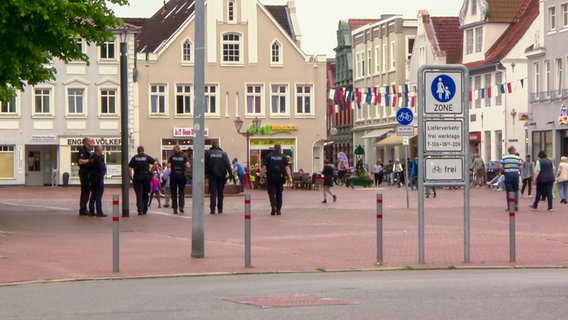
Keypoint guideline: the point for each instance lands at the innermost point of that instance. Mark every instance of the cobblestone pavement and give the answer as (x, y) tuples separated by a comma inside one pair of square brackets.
[(43, 238)]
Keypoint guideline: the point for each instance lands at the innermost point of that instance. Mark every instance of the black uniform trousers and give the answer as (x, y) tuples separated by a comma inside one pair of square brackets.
[(142, 190), (216, 188), (96, 199), (275, 194), (177, 188), (85, 192)]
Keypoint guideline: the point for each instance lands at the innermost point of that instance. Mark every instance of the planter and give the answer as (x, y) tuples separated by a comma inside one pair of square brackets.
[(356, 181)]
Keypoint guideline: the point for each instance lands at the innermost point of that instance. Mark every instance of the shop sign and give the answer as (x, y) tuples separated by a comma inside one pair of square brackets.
[(43, 138), (475, 137), (187, 132), (272, 129), (272, 142), (110, 141)]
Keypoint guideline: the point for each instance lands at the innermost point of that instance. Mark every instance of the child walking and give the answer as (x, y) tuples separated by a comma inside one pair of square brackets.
[(327, 181), (155, 187)]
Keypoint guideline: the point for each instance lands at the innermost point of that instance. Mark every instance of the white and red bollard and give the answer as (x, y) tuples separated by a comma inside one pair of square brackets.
[(379, 228)]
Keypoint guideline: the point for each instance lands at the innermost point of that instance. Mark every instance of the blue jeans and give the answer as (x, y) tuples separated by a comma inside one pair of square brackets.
[(512, 185), (563, 190)]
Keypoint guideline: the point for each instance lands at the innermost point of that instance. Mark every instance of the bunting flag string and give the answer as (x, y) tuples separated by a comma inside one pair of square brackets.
[(402, 96)]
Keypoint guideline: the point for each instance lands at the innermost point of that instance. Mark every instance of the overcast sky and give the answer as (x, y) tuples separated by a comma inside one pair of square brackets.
[(319, 18)]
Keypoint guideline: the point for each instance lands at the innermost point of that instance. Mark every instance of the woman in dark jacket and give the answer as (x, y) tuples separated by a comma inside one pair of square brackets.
[(327, 181), (544, 179)]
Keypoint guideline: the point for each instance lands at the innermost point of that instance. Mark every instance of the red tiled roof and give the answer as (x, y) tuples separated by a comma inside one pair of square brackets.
[(449, 37), (503, 11), (158, 29), (525, 17), (357, 23)]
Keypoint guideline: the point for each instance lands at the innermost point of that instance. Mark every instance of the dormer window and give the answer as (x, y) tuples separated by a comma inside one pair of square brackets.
[(231, 11), (474, 8)]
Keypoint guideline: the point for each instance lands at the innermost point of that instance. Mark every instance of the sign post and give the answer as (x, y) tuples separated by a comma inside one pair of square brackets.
[(404, 116), (443, 130)]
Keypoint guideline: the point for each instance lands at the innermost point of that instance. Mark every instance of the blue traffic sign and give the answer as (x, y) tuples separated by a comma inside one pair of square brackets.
[(404, 116), (443, 88)]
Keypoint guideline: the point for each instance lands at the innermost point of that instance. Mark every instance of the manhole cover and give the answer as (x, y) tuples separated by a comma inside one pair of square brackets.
[(288, 301)]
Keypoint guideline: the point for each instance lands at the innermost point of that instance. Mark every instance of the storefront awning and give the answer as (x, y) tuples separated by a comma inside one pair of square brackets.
[(393, 140), (378, 133)]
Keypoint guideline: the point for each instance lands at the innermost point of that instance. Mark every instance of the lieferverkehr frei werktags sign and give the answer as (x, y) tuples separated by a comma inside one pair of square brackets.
[(443, 95), (443, 136)]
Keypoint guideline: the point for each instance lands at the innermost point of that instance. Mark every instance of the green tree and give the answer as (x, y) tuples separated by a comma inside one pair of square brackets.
[(35, 32)]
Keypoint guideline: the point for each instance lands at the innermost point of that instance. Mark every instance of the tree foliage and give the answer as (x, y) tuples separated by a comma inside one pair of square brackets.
[(35, 32)]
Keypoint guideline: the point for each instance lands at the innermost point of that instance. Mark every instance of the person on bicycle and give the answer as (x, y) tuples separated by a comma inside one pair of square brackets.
[(478, 168), (397, 172)]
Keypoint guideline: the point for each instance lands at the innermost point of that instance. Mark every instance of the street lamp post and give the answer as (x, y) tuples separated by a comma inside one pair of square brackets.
[(124, 123), (247, 134)]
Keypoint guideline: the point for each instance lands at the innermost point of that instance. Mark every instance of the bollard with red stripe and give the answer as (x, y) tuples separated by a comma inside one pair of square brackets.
[(247, 231), (115, 233), (379, 228), (512, 209)]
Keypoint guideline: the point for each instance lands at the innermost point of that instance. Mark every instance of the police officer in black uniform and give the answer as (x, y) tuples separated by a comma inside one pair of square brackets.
[(178, 164), (140, 163), (276, 168), (217, 166), (96, 176), (84, 168)]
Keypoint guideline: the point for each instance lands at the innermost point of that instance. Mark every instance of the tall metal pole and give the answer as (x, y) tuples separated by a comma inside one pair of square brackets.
[(198, 190), (124, 124)]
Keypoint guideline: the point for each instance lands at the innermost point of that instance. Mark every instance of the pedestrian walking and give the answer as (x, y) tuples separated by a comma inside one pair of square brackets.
[(166, 186), (239, 170), (478, 168), (414, 174), (96, 176), (397, 173), (527, 175), (562, 179), (328, 181), (510, 165), (142, 164), (217, 167), (544, 179), (276, 168), (155, 186), (84, 168), (178, 164), (433, 189), (378, 173)]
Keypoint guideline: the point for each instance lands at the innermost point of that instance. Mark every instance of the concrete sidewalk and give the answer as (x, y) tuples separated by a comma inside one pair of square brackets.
[(43, 238)]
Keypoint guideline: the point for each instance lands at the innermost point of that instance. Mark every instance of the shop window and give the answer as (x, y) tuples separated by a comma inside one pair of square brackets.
[(7, 161)]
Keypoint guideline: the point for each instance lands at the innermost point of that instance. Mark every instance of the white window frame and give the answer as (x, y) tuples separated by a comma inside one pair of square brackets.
[(113, 51), (303, 95), (479, 39), (469, 41), (547, 77), (231, 11), (369, 62), (385, 56), (211, 92), (276, 58), (68, 98), (278, 95), (477, 87), (498, 82), (254, 99), (393, 56), (551, 19), (559, 76), (47, 92), (158, 99), (536, 82), (7, 107), (237, 47), (564, 15), (410, 48), (488, 78), (377, 59), (184, 52), (81, 44), (474, 8), (186, 96), (108, 97)]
